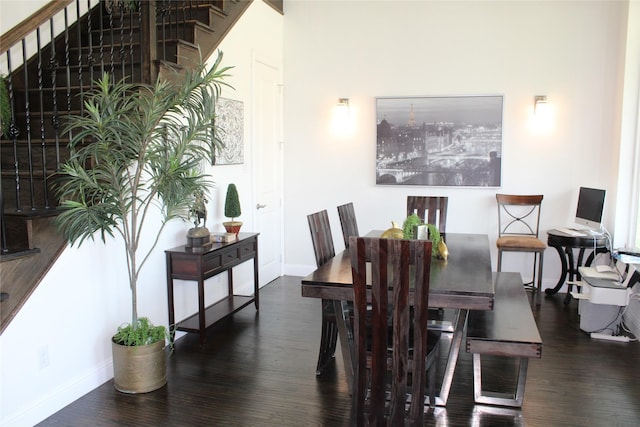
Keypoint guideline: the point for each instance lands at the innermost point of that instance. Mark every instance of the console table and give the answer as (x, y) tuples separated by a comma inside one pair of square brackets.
[(184, 264), (564, 244)]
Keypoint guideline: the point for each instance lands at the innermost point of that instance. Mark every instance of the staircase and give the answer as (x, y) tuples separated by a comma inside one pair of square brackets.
[(50, 60)]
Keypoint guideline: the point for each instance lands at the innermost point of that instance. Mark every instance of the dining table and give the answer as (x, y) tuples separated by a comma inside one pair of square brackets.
[(461, 282)]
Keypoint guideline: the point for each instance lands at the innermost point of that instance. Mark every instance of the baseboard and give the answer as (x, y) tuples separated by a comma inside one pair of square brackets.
[(300, 270), (60, 397)]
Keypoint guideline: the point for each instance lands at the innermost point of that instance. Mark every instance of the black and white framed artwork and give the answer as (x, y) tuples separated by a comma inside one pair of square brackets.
[(442, 141), (230, 122)]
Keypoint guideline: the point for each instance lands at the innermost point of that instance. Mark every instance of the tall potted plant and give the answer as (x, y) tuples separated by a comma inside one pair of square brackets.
[(138, 147)]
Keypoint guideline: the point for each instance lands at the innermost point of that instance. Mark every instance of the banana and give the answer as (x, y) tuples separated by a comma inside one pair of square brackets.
[(443, 251)]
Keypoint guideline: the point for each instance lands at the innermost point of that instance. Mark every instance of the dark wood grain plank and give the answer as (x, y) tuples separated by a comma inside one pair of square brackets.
[(258, 369)]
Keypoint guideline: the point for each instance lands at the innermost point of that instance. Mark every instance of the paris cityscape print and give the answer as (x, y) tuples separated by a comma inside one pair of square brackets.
[(439, 141)]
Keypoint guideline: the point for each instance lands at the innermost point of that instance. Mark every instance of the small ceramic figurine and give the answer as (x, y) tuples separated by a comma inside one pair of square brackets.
[(199, 210), (198, 237)]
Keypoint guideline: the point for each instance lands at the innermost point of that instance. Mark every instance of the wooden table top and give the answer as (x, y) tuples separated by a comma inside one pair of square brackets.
[(463, 281), (587, 240)]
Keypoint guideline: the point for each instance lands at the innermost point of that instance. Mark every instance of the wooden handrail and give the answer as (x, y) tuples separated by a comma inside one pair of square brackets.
[(28, 25)]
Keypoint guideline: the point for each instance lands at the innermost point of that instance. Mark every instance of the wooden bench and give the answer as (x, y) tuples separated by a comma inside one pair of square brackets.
[(509, 330)]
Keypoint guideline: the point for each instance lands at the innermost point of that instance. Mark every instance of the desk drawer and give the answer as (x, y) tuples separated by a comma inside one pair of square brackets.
[(212, 261), (248, 250), (229, 257), (194, 265), (184, 265)]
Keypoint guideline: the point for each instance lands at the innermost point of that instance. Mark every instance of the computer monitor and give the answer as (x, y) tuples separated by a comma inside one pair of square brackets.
[(590, 207)]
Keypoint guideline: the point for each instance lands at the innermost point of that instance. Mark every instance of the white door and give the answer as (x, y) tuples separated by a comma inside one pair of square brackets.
[(267, 140)]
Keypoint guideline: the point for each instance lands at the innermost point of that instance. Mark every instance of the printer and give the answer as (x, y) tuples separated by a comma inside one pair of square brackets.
[(601, 297)]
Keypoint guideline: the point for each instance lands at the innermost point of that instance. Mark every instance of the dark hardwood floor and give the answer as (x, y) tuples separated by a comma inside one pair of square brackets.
[(258, 369)]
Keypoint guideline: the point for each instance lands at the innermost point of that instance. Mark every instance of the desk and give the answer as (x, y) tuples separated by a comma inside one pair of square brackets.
[(186, 265), (463, 282), (564, 244)]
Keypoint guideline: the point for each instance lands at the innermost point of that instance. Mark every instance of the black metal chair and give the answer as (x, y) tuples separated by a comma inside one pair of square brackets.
[(518, 227)]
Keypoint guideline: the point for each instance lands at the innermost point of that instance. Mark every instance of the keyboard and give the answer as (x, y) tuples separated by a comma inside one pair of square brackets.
[(571, 232)]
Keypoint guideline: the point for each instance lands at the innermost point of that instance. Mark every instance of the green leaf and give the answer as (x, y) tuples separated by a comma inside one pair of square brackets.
[(138, 147)]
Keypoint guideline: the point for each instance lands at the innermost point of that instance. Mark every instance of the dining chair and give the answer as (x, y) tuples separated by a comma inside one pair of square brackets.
[(518, 228), (348, 222), (430, 209), (323, 249), (394, 352)]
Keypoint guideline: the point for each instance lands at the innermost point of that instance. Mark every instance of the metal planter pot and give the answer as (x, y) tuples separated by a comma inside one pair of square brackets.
[(139, 369)]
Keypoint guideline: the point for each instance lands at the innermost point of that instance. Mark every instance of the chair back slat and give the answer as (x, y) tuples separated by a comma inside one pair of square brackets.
[(519, 215), (430, 209), (348, 222), (399, 276), (321, 236)]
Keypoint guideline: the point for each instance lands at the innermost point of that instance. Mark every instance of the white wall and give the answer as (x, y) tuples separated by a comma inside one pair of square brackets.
[(72, 314), (630, 145), (13, 12), (570, 51)]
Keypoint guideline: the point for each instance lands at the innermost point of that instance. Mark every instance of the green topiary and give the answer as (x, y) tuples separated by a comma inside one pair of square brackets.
[(232, 203)]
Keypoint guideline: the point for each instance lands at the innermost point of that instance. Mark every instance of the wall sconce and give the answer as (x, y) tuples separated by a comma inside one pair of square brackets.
[(342, 118), (342, 107), (542, 120), (540, 106)]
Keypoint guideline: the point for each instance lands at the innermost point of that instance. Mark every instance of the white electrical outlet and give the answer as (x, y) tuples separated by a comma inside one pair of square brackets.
[(43, 357)]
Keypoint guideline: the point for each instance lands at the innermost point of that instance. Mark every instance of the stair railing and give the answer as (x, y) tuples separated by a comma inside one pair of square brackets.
[(47, 62), (54, 56)]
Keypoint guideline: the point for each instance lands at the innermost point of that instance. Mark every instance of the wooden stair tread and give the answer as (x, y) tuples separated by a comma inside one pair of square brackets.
[(19, 277)]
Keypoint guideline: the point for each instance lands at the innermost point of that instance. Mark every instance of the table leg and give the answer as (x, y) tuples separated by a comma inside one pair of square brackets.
[(575, 273), (454, 351), (345, 333), (563, 274), (570, 268), (201, 312), (172, 318), (256, 282), (329, 335), (593, 254), (345, 330), (572, 272)]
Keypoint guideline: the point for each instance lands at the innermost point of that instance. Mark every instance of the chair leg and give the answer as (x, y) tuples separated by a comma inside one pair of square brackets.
[(431, 378), (499, 260), (539, 292)]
